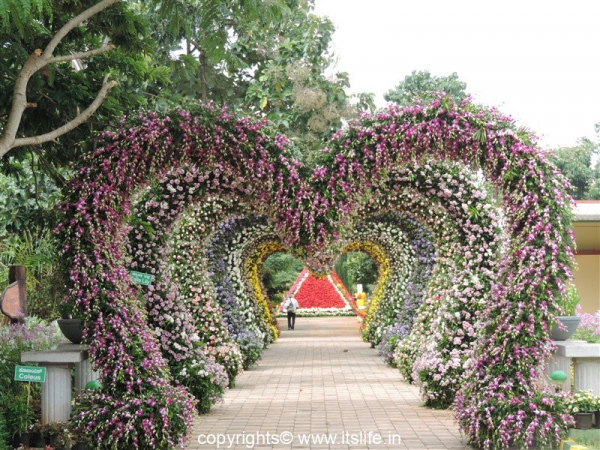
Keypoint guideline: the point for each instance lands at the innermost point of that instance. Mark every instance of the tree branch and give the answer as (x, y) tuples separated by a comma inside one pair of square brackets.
[(80, 55), (71, 125), (37, 61), (75, 22)]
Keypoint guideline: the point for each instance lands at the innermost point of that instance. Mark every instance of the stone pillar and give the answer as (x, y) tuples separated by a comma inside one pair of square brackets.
[(84, 374), (587, 374), (56, 394), (56, 391)]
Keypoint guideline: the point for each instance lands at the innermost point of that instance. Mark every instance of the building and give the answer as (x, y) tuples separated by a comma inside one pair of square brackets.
[(586, 225)]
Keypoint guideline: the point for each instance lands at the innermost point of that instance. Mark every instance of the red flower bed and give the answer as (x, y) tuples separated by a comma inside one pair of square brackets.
[(318, 293)]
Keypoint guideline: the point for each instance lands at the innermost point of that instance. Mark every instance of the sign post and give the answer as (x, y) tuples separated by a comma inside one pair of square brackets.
[(30, 373), (142, 278)]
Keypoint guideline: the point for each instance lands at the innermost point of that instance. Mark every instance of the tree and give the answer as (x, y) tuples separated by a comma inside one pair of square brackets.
[(357, 268), (291, 86), (39, 60), (581, 165), (280, 270), (214, 65), (51, 93), (268, 57), (422, 86)]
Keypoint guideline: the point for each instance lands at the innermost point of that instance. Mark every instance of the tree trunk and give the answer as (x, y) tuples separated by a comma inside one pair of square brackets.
[(203, 75)]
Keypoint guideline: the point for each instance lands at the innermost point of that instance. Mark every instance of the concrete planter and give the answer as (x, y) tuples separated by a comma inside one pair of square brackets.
[(583, 421), (72, 329), (569, 322)]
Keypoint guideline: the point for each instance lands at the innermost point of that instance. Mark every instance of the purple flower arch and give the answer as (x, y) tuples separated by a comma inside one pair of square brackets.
[(312, 208)]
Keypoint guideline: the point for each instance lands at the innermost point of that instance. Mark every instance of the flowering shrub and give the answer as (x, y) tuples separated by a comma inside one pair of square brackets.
[(32, 335), (583, 401), (502, 304), (589, 327), (141, 421)]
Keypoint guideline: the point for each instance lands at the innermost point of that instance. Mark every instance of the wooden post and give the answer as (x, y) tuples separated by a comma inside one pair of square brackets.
[(18, 274)]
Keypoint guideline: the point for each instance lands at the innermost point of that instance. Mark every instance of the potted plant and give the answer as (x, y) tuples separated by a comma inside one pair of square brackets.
[(80, 440), (568, 323), (71, 324), (582, 406), (62, 440), (19, 414), (54, 432), (589, 328), (38, 435)]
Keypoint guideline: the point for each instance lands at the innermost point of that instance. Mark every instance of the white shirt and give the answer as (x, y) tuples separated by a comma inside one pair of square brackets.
[(294, 303)]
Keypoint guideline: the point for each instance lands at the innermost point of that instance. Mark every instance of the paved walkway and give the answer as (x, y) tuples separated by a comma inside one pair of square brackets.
[(321, 381)]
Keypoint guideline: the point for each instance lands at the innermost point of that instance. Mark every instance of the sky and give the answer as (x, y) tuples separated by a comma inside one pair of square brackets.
[(537, 61)]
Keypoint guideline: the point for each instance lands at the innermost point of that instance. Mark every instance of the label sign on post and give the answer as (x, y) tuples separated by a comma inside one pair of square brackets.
[(141, 278), (30, 373)]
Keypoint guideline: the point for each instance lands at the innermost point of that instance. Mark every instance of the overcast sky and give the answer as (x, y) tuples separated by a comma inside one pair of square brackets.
[(538, 61)]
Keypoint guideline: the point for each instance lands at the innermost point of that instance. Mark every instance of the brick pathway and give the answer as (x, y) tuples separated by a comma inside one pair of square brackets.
[(322, 379)]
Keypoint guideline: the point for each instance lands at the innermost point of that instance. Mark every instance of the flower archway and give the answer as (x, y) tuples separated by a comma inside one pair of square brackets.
[(225, 165)]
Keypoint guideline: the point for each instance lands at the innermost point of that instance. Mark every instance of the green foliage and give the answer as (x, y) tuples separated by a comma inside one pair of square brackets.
[(209, 391), (16, 15), (29, 196), (4, 434), (361, 268), (581, 165), (291, 87), (570, 301), (279, 271), (422, 85), (37, 250), (357, 268), (270, 57)]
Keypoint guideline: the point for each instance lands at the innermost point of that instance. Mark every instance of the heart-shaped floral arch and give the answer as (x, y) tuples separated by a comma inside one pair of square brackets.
[(199, 198)]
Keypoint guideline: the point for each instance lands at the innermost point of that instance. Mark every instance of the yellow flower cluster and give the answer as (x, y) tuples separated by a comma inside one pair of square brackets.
[(253, 271), (378, 254)]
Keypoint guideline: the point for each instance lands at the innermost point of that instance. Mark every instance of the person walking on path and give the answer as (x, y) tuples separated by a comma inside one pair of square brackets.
[(291, 305)]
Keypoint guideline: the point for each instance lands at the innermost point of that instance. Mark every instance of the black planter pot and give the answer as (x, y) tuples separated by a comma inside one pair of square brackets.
[(21, 439), (72, 329), (597, 416), (52, 438), (79, 446), (583, 421), (37, 440), (570, 322)]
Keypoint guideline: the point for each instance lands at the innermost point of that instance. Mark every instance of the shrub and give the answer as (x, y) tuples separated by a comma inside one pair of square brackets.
[(18, 398), (589, 328), (4, 434)]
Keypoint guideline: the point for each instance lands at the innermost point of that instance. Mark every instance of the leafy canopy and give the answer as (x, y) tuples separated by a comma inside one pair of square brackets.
[(581, 165), (422, 86)]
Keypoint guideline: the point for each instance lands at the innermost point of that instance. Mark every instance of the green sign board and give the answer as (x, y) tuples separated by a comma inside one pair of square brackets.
[(30, 373), (141, 278)]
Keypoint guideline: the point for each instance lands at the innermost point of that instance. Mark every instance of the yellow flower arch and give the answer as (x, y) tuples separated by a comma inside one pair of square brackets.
[(253, 268)]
